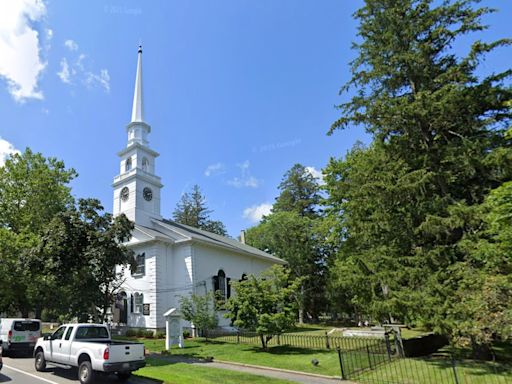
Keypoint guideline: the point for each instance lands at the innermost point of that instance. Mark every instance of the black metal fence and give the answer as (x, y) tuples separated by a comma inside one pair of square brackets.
[(374, 360)]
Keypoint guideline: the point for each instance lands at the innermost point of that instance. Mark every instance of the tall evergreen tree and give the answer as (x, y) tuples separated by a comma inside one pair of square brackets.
[(432, 116), (192, 210), (299, 192), (292, 232)]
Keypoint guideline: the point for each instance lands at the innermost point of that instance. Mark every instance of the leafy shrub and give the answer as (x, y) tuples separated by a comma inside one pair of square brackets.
[(141, 332), (186, 333), (131, 332), (160, 335), (149, 334)]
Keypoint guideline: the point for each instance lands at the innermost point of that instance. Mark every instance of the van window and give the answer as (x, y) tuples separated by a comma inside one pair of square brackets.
[(21, 326), (91, 333)]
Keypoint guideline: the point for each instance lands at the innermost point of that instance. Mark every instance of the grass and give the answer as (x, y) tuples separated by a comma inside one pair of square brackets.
[(183, 373), (437, 371), (296, 359)]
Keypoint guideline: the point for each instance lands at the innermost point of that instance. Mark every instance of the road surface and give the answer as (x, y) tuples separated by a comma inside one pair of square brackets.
[(20, 370)]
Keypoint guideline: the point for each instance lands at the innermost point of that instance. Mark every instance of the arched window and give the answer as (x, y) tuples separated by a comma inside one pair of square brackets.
[(145, 164), (221, 285), (128, 164)]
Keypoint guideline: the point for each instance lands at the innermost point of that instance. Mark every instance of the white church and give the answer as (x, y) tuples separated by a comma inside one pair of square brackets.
[(173, 260)]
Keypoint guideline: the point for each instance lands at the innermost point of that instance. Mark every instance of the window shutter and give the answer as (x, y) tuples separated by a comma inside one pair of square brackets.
[(131, 303), (228, 288)]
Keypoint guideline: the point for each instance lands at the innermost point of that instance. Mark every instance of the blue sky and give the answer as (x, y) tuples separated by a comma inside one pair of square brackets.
[(236, 91)]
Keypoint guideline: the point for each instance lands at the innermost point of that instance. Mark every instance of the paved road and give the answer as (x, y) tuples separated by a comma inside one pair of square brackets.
[(20, 370)]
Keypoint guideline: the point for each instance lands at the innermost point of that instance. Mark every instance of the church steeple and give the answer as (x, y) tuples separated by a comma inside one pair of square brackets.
[(138, 106), (138, 129), (137, 188)]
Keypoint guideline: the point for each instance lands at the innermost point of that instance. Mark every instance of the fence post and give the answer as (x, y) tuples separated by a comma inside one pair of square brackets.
[(278, 339), (343, 377), (369, 357), (327, 345), (454, 367), (238, 337), (388, 345)]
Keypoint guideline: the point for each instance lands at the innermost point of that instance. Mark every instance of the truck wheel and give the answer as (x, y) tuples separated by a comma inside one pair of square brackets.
[(85, 373), (40, 362), (123, 375)]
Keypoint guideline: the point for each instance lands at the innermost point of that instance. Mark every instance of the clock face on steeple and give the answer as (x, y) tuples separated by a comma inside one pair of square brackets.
[(125, 194), (147, 193)]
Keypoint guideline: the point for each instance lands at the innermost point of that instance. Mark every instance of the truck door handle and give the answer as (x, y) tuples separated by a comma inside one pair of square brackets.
[(60, 345)]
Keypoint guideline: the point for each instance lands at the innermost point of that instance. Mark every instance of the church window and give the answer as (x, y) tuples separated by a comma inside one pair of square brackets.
[(140, 260), (138, 301), (221, 286), (128, 164), (145, 164)]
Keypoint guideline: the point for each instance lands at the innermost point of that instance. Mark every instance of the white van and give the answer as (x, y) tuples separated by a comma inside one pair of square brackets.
[(19, 334)]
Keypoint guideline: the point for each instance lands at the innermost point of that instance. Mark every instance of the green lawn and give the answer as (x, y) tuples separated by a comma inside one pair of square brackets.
[(183, 373), (430, 371), (296, 359)]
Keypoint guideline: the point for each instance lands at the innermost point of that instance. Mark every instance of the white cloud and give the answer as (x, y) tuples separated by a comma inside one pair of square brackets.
[(20, 63), (6, 149), (64, 73), (246, 180), (77, 70), (256, 212), (71, 45), (101, 79), (49, 34), (214, 169), (316, 174)]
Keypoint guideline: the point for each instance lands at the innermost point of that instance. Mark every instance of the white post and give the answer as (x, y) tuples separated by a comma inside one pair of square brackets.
[(167, 334)]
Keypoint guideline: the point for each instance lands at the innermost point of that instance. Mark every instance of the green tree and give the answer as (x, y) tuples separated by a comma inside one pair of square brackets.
[(82, 258), (482, 310), (264, 304), (292, 232), (439, 128), (299, 193), (199, 309), (33, 189), (192, 210)]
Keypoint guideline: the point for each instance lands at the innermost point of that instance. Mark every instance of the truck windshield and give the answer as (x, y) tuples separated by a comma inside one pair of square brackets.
[(21, 326), (91, 333)]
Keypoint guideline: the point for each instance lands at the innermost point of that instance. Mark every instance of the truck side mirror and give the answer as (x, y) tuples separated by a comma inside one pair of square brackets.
[(47, 337)]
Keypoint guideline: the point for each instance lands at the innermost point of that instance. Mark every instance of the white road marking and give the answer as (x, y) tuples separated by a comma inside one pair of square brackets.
[(31, 375)]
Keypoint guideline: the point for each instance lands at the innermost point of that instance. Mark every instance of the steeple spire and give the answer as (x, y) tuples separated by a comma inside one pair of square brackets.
[(138, 106)]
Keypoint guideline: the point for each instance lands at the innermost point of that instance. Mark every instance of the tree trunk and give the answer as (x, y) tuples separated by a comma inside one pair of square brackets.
[(301, 305), (263, 342), (481, 351)]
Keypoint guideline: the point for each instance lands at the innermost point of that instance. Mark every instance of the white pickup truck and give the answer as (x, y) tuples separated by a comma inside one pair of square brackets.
[(90, 348)]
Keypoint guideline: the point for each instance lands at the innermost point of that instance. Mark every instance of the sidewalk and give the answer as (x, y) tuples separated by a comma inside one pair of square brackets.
[(277, 373)]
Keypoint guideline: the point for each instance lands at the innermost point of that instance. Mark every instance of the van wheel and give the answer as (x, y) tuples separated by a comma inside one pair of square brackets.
[(85, 373), (123, 375), (40, 362)]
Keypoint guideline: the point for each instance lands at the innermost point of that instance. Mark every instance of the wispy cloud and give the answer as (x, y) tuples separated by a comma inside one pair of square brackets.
[(214, 169), (71, 45), (64, 73), (6, 149), (317, 174), (20, 61), (246, 179), (77, 70), (256, 212)]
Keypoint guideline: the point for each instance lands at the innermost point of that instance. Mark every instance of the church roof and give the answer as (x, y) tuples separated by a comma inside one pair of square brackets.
[(168, 230)]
